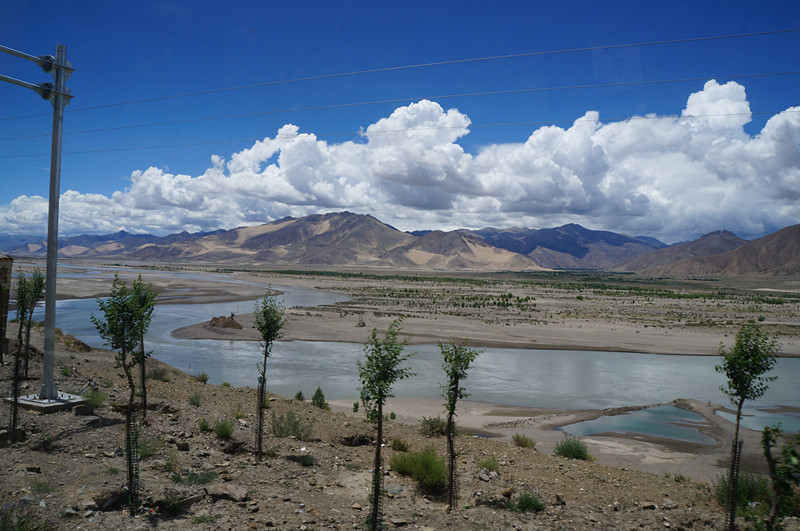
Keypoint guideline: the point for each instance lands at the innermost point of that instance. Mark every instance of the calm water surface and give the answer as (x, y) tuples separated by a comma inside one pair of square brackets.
[(536, 378)]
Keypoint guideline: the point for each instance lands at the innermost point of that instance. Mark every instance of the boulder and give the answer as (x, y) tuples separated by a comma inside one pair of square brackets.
[(227, 491)]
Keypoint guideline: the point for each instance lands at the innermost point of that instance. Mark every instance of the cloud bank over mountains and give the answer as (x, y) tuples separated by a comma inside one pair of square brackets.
[(672, 177)]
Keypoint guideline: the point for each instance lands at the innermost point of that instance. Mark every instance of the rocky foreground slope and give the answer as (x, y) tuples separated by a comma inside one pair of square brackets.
[(70, 469)]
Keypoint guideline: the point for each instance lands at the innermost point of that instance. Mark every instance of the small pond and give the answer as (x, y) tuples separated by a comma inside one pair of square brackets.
[(668, 422)]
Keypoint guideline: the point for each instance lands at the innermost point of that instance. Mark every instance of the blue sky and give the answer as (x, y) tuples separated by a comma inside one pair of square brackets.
[(617, 158)]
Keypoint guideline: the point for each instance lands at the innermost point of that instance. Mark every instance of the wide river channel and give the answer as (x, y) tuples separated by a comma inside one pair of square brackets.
[(562, 379)]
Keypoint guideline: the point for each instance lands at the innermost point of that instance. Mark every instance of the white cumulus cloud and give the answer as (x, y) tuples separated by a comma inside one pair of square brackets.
[(672, 177)]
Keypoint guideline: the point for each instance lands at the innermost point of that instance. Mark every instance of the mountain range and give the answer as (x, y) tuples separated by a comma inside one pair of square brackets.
[(344, 239)]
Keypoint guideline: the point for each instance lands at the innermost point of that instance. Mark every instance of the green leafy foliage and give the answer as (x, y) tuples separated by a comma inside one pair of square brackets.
[(527, 503), (490, 464), (290, 425), (195, 399), (523, 441), (432, 426), (269, 320), (299, 396), (318, 400), (753, 354), (223, 428), (95, 397), (203, 425), (16, 518), (194, 478), (572, 447), (426, 467), (784, 469), (400, 445)]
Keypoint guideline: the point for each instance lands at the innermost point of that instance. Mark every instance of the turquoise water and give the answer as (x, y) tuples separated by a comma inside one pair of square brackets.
[(759, 418), (667, 422)]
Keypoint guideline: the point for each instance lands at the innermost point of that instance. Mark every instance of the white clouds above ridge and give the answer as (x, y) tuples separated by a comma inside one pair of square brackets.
[(670, 177)]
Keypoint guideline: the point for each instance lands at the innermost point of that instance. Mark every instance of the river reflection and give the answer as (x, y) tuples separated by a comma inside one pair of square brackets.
[(536, 378)]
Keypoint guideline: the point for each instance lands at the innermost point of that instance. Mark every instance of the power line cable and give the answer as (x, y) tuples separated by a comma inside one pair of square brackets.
[(421, 65), (398, 100), (363, 133)]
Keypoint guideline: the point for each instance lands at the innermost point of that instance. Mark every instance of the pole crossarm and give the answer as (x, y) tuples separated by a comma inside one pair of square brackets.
[(46, 62)]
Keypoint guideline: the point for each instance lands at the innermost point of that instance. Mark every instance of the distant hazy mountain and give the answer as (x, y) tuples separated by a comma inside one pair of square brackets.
[(713, 243), (346, 239), (570, 246), (774, 254)]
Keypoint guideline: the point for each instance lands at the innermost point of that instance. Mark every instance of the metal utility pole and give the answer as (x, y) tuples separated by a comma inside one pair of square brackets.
[(59, 96)]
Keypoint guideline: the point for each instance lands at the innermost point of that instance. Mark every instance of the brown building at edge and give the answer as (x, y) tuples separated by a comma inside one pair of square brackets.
[(5, 291)]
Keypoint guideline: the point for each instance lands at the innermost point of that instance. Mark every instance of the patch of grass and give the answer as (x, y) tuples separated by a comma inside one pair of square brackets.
[(355, 407), (239, 413), (572, 447), (299, 396), (750, 488), (289, 424), (13, 517), (149, 447), (680, 478), (172, 461), (95, 397), (201, 377), (306, 460), (400, 445), (112, 470), (426, 467), (194, 478), (225, 384), (490, 464), (42, 487), (204, 519), (223, 429), (203, 425), (433, 426), (523, 441), (526, 503), (159, 373), (195, 399), (392, 416), (65, 371)]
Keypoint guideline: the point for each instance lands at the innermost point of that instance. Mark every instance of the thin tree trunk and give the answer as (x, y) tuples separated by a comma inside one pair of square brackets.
[(733, 472), (262, 384), (130, 450), (27, 342), (143, 377), (375, 520), (451, 463)]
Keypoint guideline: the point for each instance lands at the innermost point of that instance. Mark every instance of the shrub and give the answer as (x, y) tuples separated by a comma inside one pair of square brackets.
[(305, 460), (225, 384), (289, 424), (203, 425), (204, 519), (433, 426), (173, 502), (159, 373), (95, 397), (571, 447), (299, 396), (749, 488), (42, 487), (239, 413), (523, 441), (22, 519), (426, 467), (148, 447), (194, 400), (527, 502), (400, 445), (355, 407), (490, 464), (201, 377), (65, 371), (392, 416), (318, 400), (223, 429), (194, 478)]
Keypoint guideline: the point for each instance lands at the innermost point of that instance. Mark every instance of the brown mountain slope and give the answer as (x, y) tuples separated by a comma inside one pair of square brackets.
[(714, 243), (457, 250), (774, 254)]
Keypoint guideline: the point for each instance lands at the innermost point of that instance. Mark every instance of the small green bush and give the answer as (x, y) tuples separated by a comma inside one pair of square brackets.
[(149, 447), (173, 502), (159, 373), (95, 397), (239, 413), (355, 407), (225, 384), (194, 478), (318, 400), (42, 487), (299, 396), (400, 445), (201, 377), (527, 502), (490, 464), (523, 441), (433, 426), (204, 519), (750, 488), (306, 460), (392, 416), (426, 467), (289, 424), (65, 371), (203, 425), (572, 447), (223, 429), (195, 399), (13, 517)]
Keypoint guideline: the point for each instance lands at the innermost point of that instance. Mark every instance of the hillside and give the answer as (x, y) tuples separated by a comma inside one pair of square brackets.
[(570, 246), (776, 254), (714, 243)]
